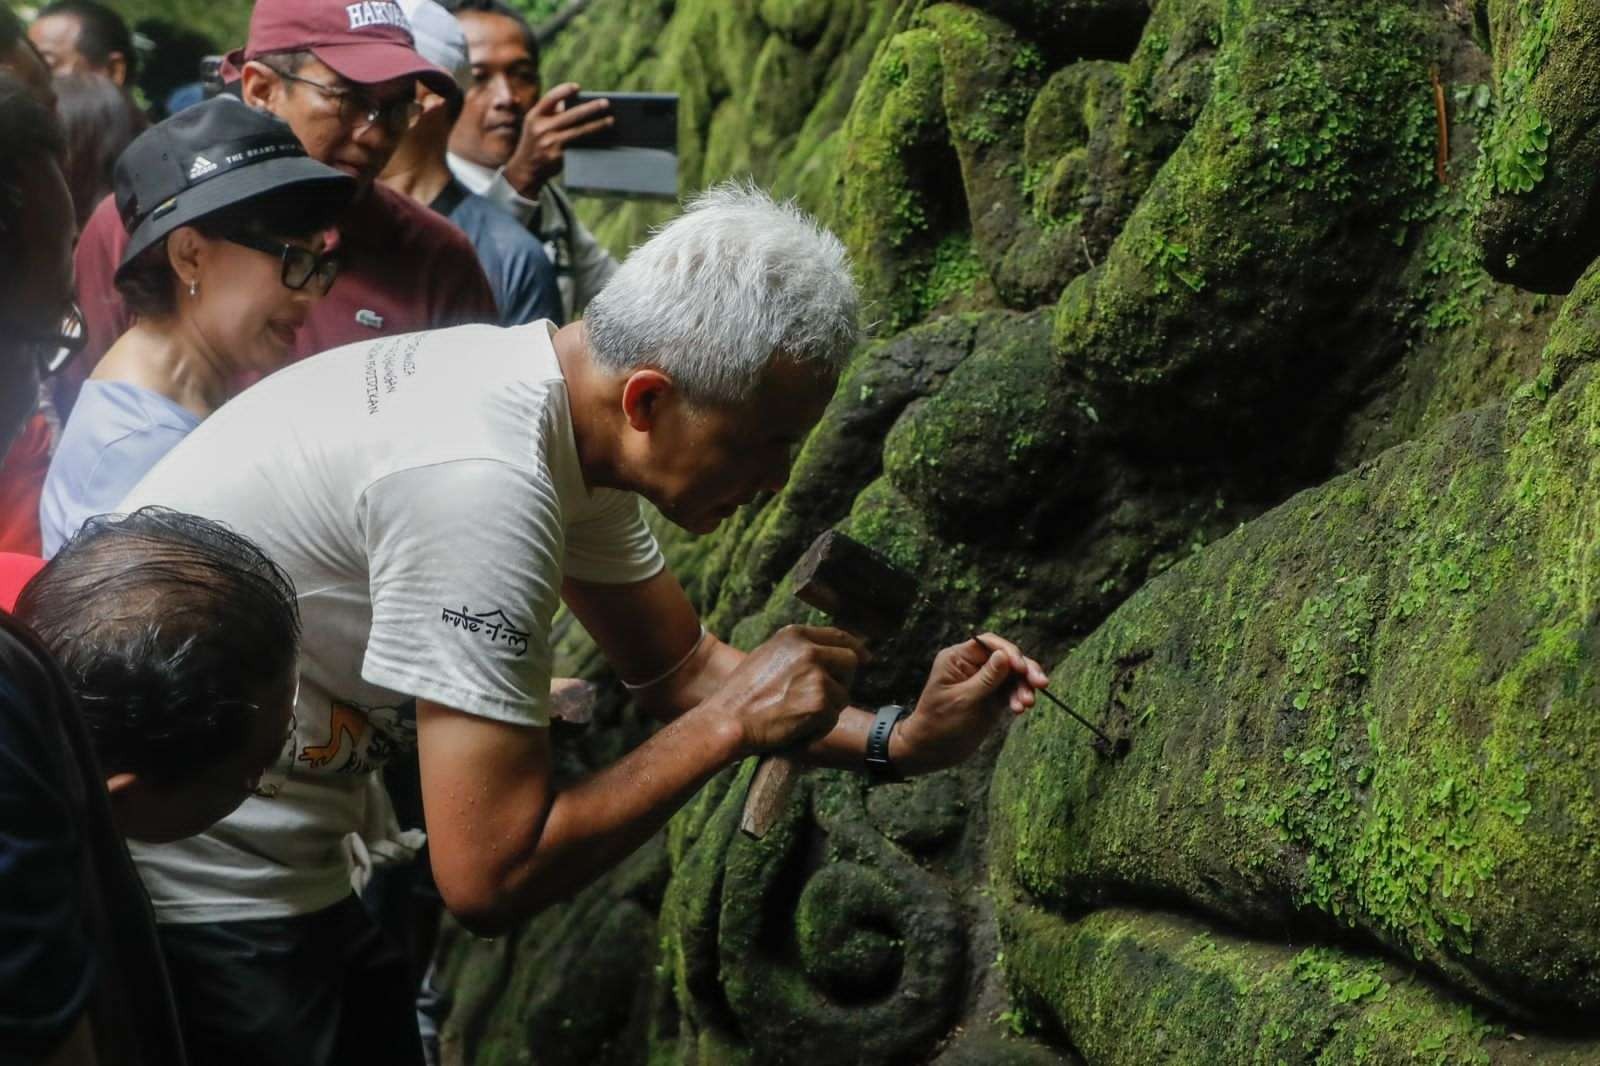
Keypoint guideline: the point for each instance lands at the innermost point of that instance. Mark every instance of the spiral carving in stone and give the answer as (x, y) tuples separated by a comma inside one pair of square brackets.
[(822, 942)]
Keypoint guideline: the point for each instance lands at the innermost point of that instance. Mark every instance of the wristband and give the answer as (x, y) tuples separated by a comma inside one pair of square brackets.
[(883, 723), (679, 665)]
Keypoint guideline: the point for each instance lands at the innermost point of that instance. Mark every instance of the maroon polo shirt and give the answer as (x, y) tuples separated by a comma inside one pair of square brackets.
[(404, 268)]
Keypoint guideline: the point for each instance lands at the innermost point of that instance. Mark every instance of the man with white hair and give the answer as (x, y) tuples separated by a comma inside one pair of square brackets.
[(434, 496)]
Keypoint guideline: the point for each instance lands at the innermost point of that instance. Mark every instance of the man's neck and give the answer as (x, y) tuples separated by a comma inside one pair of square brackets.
[(417, 170), (594, 410)]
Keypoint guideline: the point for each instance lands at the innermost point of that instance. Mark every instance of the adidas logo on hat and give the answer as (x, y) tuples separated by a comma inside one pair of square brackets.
[(202, 166)]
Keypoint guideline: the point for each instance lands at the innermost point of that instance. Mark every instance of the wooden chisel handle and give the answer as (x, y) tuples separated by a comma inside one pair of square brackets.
[(769, 793)]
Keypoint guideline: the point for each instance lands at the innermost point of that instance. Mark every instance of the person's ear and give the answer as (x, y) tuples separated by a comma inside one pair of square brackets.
[(430, 100), (258, 84), (186, 253), (117, 68), (644, 395)]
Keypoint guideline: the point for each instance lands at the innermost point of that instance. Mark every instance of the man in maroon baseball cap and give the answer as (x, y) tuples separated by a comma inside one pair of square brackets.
[(343, 75), (365, 43), (357, 57)]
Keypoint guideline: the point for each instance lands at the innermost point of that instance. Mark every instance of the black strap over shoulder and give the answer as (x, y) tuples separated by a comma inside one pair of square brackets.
[(449, 198)]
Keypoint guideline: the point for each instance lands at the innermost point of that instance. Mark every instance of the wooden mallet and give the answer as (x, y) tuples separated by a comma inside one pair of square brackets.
[(862, 593)]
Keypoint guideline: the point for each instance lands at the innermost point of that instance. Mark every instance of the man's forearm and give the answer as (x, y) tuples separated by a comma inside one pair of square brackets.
[(693, 683), (598, 821), (843, 748)]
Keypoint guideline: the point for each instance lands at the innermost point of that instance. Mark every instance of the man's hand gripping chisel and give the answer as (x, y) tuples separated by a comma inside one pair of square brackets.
[(864, 594)]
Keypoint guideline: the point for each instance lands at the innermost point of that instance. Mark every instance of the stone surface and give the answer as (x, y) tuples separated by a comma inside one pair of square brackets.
[(1539, 220), (1363, 713)]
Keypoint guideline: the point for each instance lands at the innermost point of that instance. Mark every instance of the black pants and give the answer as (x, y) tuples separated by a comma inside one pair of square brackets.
[(322, 989)]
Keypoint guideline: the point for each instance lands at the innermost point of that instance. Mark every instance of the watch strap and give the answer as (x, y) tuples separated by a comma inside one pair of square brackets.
[(883, 723)]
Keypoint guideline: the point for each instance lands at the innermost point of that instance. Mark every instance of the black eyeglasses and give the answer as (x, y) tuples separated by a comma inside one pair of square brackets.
[(51, 350), (359, 113), (300, 265)]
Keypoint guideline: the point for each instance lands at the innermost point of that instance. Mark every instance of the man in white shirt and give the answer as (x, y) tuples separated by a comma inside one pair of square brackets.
[(434, 496), (510, 141)]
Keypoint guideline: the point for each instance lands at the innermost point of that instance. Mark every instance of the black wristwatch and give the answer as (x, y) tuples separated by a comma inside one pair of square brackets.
[(883, 723)]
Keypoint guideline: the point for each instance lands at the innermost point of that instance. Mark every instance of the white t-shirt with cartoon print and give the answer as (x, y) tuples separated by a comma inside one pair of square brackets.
[(424, 493)]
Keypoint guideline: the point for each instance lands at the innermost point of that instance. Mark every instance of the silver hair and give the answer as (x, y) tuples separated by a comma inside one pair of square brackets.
[(720, 291)]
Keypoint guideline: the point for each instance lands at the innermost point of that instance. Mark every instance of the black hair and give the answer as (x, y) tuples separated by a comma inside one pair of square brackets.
[(148, 285), (99, 121), (101, 31), (168, 627), (287, 62), (504, 10), (12, 31), (30, 133), (173, 62)]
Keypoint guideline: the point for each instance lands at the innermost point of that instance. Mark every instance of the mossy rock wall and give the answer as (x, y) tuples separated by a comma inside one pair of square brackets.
[(1181, 309), (1364, 718), (1539, 211)]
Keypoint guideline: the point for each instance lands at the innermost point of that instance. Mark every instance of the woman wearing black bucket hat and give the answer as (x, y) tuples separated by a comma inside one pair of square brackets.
[(227, 222)]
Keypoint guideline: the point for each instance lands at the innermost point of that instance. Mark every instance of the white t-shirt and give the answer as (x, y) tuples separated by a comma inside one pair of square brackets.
[(424, 493)]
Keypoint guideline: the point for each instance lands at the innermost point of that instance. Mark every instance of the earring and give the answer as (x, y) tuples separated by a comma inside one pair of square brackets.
[(194, 287)]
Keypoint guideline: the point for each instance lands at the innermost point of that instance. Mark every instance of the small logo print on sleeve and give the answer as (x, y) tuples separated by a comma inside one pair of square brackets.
[(494, 625), (370, 319)]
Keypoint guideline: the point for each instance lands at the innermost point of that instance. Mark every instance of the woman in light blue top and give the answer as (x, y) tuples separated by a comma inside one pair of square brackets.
[(227, 220)]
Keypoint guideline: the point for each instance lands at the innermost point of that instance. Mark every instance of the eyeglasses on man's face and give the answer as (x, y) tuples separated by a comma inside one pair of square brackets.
[(359, 112), (51, 350), (300, 265)]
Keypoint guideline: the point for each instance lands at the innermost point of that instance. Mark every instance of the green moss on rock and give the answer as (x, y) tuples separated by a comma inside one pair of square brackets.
[(1227, 296), (1004, 422), (991, 77), (1074, 29), (582, 982), (819, 943), (1539, 220), (896, 200), (1360, 712), (1135, 987)]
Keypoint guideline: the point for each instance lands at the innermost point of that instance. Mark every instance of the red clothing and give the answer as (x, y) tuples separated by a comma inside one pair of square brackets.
[(21, 484), (405, 268), (15, 572)]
